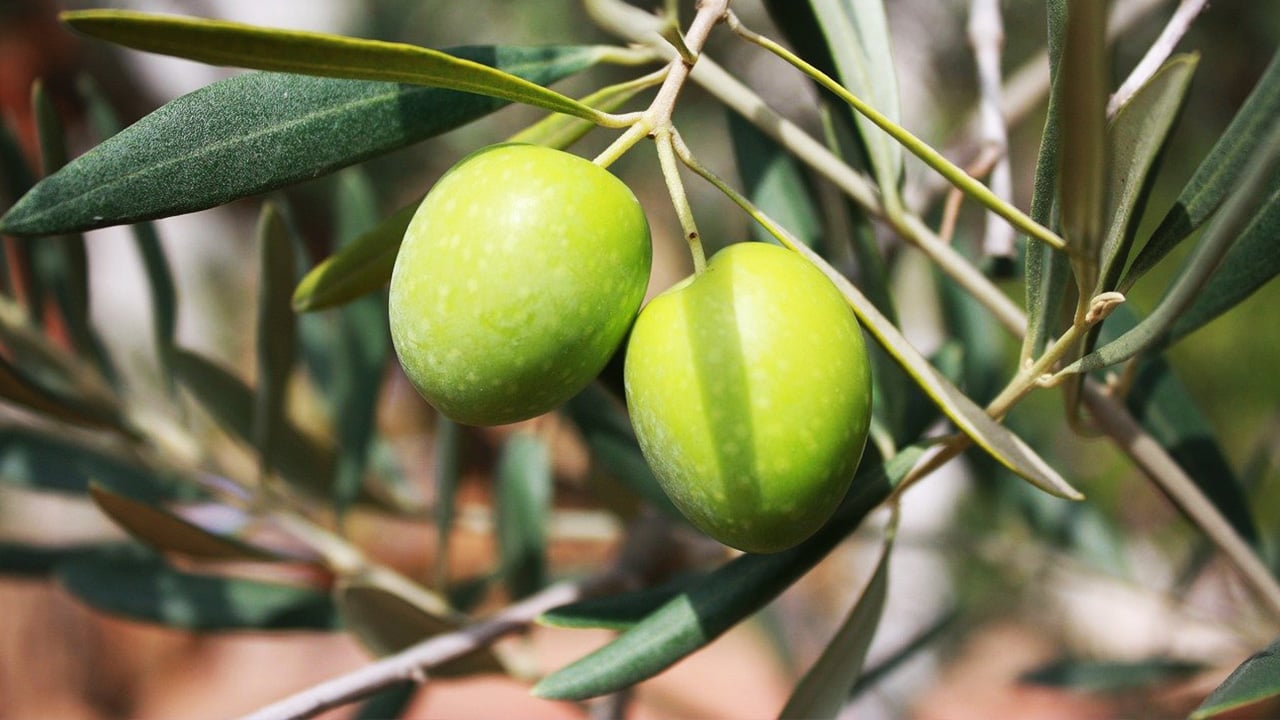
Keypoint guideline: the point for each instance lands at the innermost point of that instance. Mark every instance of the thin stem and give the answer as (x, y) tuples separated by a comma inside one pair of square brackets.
[(1157, 53), (986, 34), (415, 662), (680, 199), (934, 159)]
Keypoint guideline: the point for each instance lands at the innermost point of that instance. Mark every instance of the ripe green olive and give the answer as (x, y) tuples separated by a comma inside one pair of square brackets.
[(518, 278), (750, 393)]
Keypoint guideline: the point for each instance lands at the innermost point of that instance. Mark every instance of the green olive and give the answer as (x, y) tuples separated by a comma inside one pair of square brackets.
[(518, 278), (749, 390)]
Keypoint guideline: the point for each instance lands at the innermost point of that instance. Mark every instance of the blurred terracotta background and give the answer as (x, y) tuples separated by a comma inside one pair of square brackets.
[(61, 660)]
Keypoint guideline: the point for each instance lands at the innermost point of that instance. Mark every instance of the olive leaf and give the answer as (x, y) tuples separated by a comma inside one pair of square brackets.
[(358, 268), (524, 507), (713, 603), (257, 132), (1255, 680), (294, 51)]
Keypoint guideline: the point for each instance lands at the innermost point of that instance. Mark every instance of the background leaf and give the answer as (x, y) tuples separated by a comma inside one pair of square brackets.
[(140, 586), (1255, 680), (224, 43), (386, 623), (1094, 676), (277, 338), (718, 601), (825, 688), (524, 507), (1216, 176), (258, 132), (41, 461), (359, 267)]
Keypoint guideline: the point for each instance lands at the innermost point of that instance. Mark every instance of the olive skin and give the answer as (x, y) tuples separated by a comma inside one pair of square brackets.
[(749, 389), (518, 278)]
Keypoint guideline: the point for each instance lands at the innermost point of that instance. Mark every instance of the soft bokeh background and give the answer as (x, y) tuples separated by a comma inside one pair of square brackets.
[(1012, 603)]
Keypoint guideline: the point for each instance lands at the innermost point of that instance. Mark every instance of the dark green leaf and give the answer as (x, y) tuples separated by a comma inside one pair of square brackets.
[(360, 267), (857, 34), (1136, 137), (257, 132), (168, 532), (1083, 161), (304, 461), (224, 43), (62, 265), (524, 507), (1166, 409), (447, 471), (1047, 269), (47, 391), (720, 600), (140, 586), (361, 351), (276, 335), (1255, 680), (159, 279), (618, 612), (37, 561), (1251, 263), (43, 462), (390, 703), (825, 688), (773, 181), (604, 425), (1217, 175), (386, 623), (1257, 185), (1096, 676)]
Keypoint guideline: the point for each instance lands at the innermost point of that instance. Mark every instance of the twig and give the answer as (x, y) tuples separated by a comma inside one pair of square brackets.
[(1024, 89), (416, 662), (1157, 53), (986, 34)]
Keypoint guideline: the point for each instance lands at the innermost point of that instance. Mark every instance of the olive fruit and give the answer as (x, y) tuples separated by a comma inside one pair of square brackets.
[(749, 390), (518, 278)]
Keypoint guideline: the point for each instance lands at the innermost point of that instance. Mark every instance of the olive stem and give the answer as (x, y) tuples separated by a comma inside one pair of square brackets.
[(675, 186), (934, 159)]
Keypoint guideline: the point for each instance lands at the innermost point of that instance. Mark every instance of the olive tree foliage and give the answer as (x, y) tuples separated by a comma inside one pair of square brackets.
[(1033, 301)]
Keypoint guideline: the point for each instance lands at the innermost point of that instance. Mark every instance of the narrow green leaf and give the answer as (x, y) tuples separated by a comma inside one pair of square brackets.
[(223, 43), (346, 350), (996, 439), (1100, 676), (720, 600), (857, 34), (824, 689), (604, 425), (1251, 263), (276, 335), (447, 467), (47, 395), (1083, 162), (1166, 409), (389, 703), (1136, 137), (524, 507), (62, 266), (774, 182), (48, 463), (924, 638), (1047, 270), (1255, 680), (304, 461), (160, 283), (560, 131), (618, 612), (386, 623), (1217, 175), (167, 532), (360, 267), (258, 132), (140, 586), (1256, 185), (39, 561)]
